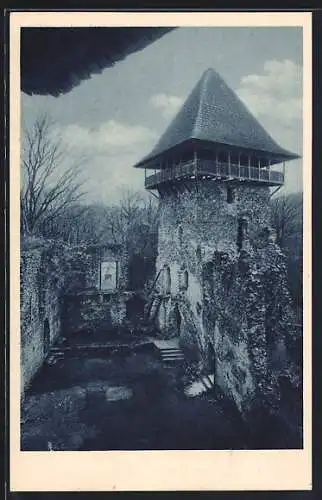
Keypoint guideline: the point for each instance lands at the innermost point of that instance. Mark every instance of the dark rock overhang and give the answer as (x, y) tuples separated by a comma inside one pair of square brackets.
[(55, 60)]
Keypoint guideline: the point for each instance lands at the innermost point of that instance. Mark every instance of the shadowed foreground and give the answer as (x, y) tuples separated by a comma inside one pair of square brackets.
[(127, 399)]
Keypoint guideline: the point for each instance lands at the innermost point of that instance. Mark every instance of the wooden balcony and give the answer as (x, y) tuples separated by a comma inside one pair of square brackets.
[(210, 169)]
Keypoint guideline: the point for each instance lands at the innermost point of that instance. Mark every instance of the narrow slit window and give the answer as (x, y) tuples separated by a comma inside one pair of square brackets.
[(167, 280), (242, 232), (230, 195), (184, 281)]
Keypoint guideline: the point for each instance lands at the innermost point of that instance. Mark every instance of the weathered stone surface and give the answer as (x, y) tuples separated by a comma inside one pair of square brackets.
[(51, 276), (42, 280), (93, 311), (237, 299)]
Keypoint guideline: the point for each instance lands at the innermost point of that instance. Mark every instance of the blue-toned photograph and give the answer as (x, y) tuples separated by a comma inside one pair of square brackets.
[(161, 235)]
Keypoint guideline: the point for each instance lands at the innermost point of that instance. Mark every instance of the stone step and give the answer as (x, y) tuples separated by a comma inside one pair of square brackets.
[(178, 358), (59, 350), (56, 353), (52, 360), (171, 352), (172, 355), (211, 378), (205, 380), (173, 360), (170, 349), (200, 386)]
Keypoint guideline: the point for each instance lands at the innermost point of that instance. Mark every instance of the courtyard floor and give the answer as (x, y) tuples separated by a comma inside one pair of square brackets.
[(124, 400)]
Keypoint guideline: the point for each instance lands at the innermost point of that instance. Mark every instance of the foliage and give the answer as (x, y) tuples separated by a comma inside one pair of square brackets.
[(287, 219), (131, 223)]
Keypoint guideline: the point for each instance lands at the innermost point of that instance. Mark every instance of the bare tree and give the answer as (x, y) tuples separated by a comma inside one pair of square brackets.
[(287, 218), (47, 187)]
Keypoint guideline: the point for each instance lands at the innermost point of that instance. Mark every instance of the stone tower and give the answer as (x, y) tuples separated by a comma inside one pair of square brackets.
[(221, 281)]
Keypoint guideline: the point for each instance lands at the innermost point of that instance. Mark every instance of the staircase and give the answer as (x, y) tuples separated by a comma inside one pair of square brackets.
[(201, 385), (171, 355), (169, 351), (56, 352)]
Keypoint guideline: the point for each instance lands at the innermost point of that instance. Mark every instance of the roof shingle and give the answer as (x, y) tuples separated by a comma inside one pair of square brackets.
[(214, 113)]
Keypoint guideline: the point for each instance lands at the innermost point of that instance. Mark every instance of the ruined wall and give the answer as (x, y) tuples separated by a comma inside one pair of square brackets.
[(93, 311), (52, 275), (236, 297), (84, 271), (42, 280), (86, 305)]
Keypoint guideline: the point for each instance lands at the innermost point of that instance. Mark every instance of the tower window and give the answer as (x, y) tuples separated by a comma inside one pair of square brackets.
[(180, 234), (230, 195), (184, 281), (198, 253), (167, 280), (242, 232)]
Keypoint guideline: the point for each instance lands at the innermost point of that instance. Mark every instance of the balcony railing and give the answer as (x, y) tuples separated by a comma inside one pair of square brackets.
[(212, 169)]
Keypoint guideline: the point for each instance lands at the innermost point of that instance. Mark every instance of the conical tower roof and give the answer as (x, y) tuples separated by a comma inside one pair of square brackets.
[(214, 113)]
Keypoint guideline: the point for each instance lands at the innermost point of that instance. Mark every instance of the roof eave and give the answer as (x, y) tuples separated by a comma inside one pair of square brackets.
[(279, 156)]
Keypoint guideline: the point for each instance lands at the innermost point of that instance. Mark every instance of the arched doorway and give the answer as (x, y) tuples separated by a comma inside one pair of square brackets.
[(135, 309), (46, 336), (175, 321)]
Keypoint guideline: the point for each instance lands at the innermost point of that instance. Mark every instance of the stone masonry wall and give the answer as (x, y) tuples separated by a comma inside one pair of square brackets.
[(92, 311), (42, 280), (237, 299), (52, 272)]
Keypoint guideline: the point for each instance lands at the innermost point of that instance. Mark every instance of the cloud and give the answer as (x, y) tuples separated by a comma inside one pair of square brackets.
[(276, 92), (167, 104), (109, 137)]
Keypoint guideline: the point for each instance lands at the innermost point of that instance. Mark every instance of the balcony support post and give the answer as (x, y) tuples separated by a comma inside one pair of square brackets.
[(249, 174), (195, 161), (259, 168), (283, 171), (269, 170), (239, 165), (216, 163), (229, 169)]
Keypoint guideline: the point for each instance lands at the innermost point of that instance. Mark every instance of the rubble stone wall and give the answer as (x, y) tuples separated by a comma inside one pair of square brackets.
[(92, 311), (50, 273), (237, 298), (42, 281)]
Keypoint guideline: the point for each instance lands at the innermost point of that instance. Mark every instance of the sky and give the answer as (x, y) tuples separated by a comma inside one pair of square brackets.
[(116, 117)]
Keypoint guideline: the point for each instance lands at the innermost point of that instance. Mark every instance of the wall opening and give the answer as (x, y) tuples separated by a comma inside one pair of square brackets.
[(175, 321), (108, 275), (135, 309), (140, 270), (46, 336), (167, 280), (242, 232), (180, 235), (184, 280), (198, 254), (231, 194), (208, 277), (212, 358)]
